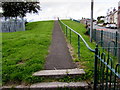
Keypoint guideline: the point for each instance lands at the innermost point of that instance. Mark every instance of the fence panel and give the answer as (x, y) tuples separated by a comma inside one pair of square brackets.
[(105, 37), (107, 75), (12, 26), (75, 20)]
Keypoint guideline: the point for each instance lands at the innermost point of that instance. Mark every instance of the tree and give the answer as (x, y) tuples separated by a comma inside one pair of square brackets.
[(19, 9), (98, 18)]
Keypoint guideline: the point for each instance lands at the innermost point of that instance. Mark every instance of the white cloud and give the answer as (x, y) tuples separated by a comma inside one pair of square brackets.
[(72, 8), (78, 1)]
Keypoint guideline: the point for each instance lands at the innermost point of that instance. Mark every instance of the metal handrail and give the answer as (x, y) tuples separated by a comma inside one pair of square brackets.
[(97, 63), (92, 50)]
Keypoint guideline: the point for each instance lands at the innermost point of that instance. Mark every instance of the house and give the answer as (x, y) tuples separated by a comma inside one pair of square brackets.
[(108, 18), (112, 17), (85, 21), (0, 19), (1, 12), (115, 17)]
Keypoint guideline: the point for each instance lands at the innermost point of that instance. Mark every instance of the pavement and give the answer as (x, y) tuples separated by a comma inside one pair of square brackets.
[(59, 56)]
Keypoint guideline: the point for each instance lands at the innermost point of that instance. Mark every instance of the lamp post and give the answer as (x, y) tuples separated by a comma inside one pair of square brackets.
[(91, 25)]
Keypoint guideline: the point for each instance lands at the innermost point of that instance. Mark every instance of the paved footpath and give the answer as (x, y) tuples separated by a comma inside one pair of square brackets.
[(59, 56)]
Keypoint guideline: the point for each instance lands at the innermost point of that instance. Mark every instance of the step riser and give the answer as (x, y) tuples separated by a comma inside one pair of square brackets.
[(52, 86), (60, 73), (63, 76), (69, 88)]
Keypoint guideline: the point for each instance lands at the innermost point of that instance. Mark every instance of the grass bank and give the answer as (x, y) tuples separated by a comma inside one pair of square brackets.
[(24, 52), (86, 57)]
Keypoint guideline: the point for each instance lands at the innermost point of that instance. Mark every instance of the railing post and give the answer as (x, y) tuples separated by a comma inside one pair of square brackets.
[(78, 47), (95, 34), (95, 68), (70, 36), (102, 38), (64, 28), (106, 87), (66, 31), (116, 71), (116, 39)]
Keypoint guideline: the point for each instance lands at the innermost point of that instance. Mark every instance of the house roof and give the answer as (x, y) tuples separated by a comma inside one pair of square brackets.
[(113, 13)]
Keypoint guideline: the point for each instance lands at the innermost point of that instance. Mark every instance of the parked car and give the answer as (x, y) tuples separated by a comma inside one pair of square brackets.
[(107, 26), (112, 26), (100, 24)]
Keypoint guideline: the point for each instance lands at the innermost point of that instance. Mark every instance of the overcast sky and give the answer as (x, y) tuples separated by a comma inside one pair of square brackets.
[(71, 8)]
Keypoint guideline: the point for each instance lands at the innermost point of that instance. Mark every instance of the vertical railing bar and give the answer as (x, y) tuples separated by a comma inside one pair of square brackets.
[(78, 47), (115, 76), (104, 58), (66, 31), (64, 28), (101, 73), (101, 68), (70, 36), (111, 73), (95, 68), (98, 68), (116, 39), (107, 74), (95, 34), (102, 38)]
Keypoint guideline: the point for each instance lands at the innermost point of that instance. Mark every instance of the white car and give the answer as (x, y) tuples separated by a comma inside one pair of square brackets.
[(107, 26), (100, 24), (113, 26)]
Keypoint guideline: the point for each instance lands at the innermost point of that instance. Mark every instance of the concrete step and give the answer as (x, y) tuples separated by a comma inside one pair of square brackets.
[(59, 73), (51, 86), (60, 85)]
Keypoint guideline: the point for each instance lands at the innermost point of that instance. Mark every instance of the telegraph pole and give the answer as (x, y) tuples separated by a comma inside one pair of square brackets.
[(119, 31), (91, 25)]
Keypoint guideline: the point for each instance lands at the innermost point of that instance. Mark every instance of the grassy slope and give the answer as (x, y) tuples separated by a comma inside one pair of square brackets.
[(87, 57), (24, 52)]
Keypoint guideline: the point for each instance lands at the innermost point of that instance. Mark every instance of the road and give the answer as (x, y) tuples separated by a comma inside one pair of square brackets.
[(104, 28)]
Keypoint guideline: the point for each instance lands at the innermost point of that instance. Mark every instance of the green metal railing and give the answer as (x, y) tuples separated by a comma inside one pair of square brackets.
[(79, 37), (75, 20), (106, 76)]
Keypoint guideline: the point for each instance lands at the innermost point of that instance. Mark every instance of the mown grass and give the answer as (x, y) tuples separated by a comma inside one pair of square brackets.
[(24, 52), (86, 56)]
